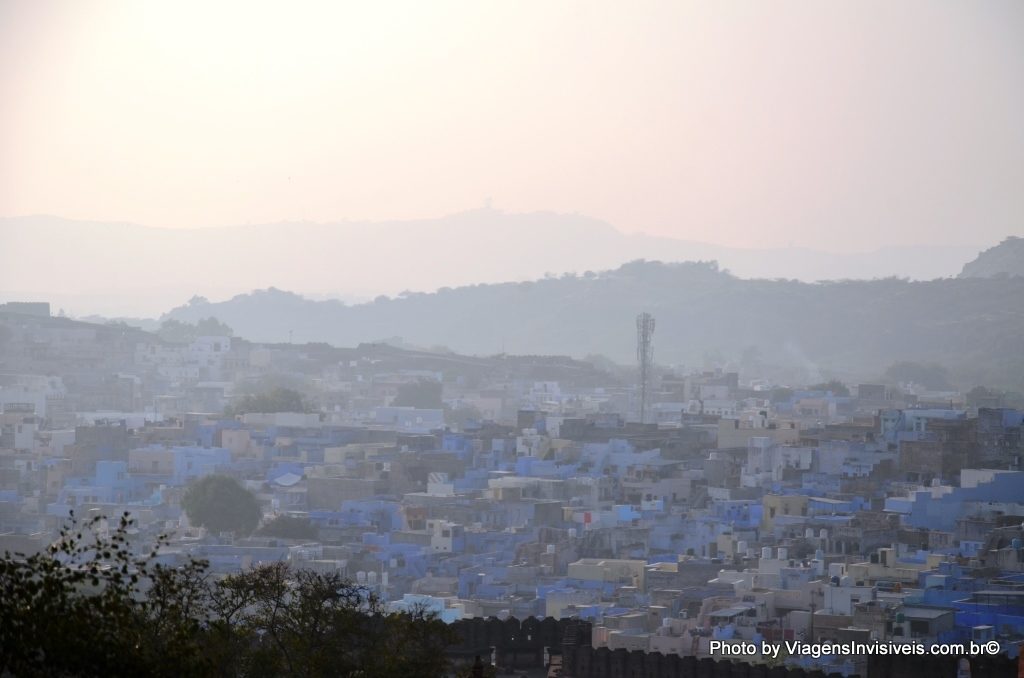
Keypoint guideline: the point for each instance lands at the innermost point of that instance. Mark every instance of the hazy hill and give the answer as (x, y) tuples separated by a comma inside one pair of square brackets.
[(1006, 258), (849, 329), (118, 269)]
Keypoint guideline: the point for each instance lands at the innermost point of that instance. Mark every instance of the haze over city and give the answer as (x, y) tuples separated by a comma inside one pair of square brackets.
[(834, 126), (563, 339)]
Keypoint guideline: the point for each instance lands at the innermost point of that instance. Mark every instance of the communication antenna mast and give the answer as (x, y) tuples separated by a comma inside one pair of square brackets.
[(645, 357)]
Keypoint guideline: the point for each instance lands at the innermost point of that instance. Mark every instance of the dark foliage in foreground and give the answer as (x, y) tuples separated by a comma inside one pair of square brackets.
[(90, 606)]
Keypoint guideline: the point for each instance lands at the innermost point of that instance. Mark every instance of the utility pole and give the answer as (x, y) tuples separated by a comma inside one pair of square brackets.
[(811, 639), (645, 357)]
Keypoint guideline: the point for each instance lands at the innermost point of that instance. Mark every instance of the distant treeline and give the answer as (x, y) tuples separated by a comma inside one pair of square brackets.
[(803, 332)]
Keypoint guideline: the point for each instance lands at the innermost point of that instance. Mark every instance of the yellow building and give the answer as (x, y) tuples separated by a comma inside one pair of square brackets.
[(776, 505), (618, 571)]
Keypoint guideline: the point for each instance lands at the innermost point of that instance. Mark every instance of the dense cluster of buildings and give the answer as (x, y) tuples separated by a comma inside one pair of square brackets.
[(738, 511)]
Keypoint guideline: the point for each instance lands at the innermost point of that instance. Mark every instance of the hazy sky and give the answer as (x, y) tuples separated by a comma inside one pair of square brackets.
[(823, 124)]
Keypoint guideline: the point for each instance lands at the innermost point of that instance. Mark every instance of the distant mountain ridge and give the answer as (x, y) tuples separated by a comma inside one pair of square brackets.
[(850, 329), (1006, 258), (118, 269)]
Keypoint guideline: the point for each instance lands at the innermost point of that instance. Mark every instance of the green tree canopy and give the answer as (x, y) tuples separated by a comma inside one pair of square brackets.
[(276, 400), (837, 387), (221, 504), (179, 332), (424, 393), (289, 527)]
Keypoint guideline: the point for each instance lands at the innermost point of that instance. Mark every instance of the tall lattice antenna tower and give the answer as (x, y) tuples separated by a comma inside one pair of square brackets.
[(644, 357)]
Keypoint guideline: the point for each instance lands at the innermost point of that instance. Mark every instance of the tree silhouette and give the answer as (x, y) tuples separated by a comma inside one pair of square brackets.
[(289, 527), (220, 504), (837, 388), (424, 393), (90, 606), (275, 400)]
